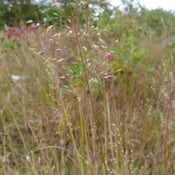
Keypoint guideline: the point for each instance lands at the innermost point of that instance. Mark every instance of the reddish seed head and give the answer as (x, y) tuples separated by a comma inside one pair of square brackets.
[(16, 32), (109, 57), (11, 32)]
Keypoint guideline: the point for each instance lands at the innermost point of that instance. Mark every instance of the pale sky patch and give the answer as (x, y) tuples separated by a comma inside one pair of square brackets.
[(152, 4)]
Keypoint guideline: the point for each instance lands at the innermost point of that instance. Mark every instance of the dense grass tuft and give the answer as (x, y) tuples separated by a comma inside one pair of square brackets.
[(86, 102)]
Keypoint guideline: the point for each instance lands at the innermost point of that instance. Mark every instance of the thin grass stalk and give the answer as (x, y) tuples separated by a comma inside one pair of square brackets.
[(83, 141), (86, 78), (66, 115), (109, 129), (104, 158), (166, 122)]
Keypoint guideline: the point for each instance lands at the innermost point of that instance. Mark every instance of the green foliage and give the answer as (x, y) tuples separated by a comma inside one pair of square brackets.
[(59, 15), (136, 20), (158, 20), (14, 11), (8, 45), (3, 10)]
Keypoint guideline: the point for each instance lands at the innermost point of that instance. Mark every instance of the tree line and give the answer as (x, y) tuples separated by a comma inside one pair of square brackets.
[(12, 12), (99, 12)]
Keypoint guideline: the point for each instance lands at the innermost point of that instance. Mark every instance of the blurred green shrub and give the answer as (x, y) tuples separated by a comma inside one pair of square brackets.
[(8, 45), (12, 11)]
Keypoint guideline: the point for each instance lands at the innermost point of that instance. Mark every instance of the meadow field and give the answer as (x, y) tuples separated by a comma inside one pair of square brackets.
[(91, 99)]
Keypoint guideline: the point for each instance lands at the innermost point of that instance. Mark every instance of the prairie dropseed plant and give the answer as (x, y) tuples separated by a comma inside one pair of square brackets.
[(88, 98)]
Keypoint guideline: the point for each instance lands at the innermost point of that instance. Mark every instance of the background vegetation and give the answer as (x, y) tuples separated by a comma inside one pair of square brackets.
[(91, 90)]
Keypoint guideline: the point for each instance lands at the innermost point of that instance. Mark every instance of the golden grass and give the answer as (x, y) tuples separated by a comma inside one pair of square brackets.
[(61, 119)]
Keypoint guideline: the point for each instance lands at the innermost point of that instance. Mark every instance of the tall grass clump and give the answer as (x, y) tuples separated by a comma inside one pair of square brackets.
[(86, 99)]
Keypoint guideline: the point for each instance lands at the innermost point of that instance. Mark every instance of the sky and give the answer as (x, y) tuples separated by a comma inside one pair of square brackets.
[(152, 4)]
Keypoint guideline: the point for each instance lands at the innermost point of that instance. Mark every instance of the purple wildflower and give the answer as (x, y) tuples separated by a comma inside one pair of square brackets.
[(109, 57)]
